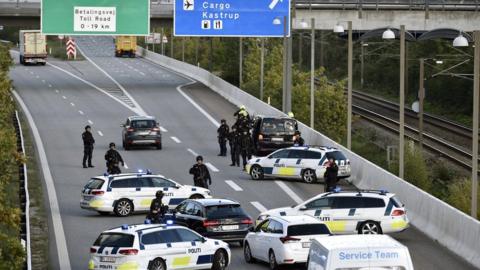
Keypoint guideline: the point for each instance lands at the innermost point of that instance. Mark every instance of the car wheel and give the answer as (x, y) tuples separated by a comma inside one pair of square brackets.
[(370, 227), (309, 176), (159, 146), (256, 172), (157, 264), (196, 196), (220, 260), (272, 261), (123, 208), (126, 147), (247, 254), (103, 213), (240, 243)]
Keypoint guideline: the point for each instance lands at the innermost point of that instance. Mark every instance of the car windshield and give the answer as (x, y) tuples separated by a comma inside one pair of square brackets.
[(94, 183), (307, 229), (337, 155), (114, 240), (225, 211), (282, 126), (143, 124)]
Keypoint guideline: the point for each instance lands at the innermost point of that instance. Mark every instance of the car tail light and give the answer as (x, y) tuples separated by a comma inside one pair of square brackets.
[(288, 239), (397, 213), (209, 223), (247, 221), (130, 129), (97, 192), (130, 251), (260, 137), (156, 129), (93, 250)]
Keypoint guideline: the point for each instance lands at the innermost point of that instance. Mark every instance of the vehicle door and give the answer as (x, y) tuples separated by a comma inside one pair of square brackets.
[(145, 193), (320, 208), (345, 213), (181, 215), (171, 196), (199, 251), (313, 160), (271, 238), (370, 209), (295, 163), (278, 161), (167, 245), (123, 188), (258, 241)]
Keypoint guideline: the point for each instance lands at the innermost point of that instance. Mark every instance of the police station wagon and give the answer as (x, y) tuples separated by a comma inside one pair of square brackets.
[(306, 163), (126, 193), (349, 212), (157, 247)]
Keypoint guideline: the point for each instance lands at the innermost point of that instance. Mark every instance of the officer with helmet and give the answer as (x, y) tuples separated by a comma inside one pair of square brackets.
[(157, 208), (201, 175), (113, 159)]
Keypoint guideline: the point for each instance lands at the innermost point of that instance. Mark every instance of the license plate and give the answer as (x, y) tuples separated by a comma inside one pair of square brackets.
[(144, 133), (87, 198), (230, 227), (107, 259), (306, 244), (277, 139)]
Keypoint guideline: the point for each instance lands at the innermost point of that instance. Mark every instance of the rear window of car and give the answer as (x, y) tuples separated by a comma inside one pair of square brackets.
[(396, 201), (143, 124), (125, 183), (337, 155), (225, 211), (94, 183), (114, 240), (274, 125), (307, 229)]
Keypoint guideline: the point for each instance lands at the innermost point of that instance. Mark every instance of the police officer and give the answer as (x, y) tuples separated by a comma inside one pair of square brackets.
[(222, 134), (299, 141), (113, 159), (331, 175), (157, 208), (242, 111), (245, 147), (88, 142), (201, 175), (234, 141)]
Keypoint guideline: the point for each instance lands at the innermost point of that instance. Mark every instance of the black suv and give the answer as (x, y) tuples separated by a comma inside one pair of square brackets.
[(215, 218), (141, 130), (272, 133)]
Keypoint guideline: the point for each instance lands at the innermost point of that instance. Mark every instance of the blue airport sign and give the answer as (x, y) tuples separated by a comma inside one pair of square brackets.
[(232, 18)]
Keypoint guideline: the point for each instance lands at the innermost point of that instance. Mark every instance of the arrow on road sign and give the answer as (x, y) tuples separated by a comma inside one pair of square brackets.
[(274, 3)]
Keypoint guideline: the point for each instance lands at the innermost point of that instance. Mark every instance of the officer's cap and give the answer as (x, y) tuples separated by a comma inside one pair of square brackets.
[(87, 127), (199, 158)]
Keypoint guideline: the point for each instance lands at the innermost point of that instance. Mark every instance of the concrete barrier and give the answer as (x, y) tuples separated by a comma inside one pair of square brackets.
[(450, 227)]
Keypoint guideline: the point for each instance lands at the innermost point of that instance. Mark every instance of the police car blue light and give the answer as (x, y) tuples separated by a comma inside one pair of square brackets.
[(147, 221), (125, 227), (169, 222)]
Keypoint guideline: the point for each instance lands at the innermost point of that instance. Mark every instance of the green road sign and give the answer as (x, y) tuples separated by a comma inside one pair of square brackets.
[(95, 17)]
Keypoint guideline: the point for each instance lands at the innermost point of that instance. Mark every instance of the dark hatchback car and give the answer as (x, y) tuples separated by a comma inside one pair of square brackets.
[(272, 133), (141, 131), (215, 218)]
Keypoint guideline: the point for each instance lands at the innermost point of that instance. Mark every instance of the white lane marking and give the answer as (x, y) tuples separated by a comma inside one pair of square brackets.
[(233, 185), (162, 129), (125, 165), (43, 81), (209, 117), (192, 152), (100, 133), (213, 168), (73, 104), (50, 85), (64, 97), (259, 206), (141, 73), (38, 77), (31, 73), (95, 87), (80, 112), (56, 91), (290, 192), (90, 122), (175, 139), (60, 241), (138, 108)]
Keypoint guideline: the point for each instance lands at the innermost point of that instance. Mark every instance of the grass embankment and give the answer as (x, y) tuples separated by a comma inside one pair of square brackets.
[(58, 49)]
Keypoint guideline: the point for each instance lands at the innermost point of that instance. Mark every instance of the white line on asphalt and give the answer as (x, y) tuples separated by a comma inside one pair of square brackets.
[(73, 104), (64, 97), (141, 73), (162, 129), (80, 112), (175, 139), (100, 133), (259, 206), (213, 168), (50, 85), (233, 185), (56, 91), (209, 117), (290, 192), (61, 243), (43, 81), (192, 152), (90, 122), (31, 72), (38, 77), (125, 165)]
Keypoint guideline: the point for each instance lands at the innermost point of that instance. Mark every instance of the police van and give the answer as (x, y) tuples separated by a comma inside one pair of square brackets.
[(358, 252), (157, 247)]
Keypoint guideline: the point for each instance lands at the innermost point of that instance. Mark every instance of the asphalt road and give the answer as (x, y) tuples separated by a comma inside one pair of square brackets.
[(62, 105)]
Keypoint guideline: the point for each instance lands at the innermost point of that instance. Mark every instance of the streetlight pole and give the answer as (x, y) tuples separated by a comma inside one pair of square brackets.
[(476, 96), (288, 101), (312, 75), (262, 65), (350, 86), (171, 44), (362, 62), (401, 150), (284, 77), (183, 49), (240, 56), (421, 97)]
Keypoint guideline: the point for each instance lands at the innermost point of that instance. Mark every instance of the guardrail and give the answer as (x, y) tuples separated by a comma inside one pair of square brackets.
[(438, 220), (24, 196), (441, 5)]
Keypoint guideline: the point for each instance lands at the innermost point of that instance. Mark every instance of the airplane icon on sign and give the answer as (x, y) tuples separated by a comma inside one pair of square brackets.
[(188, 4)]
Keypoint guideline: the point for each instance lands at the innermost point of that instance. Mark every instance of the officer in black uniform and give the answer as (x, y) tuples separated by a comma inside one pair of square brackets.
[(201, 175), (234, 141), (245, 147), (157, 208), (299, 141), (113, 159), (222, 134), (88, 142)]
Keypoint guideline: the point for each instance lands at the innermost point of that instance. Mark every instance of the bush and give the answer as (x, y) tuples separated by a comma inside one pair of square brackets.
[(415, 170), (460, 195)]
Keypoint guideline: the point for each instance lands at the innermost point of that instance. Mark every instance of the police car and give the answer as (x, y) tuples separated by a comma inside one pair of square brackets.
[(349, 212), (283, 240), (306, 163), (125, 193), (157, 247)]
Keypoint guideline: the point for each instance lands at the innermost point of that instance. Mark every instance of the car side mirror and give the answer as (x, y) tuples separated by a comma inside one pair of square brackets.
[(203, 240), (303, 208), (269, 157), (251, 229)]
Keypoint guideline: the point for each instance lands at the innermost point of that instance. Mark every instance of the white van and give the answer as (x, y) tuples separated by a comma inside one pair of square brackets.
[(358, 252)]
